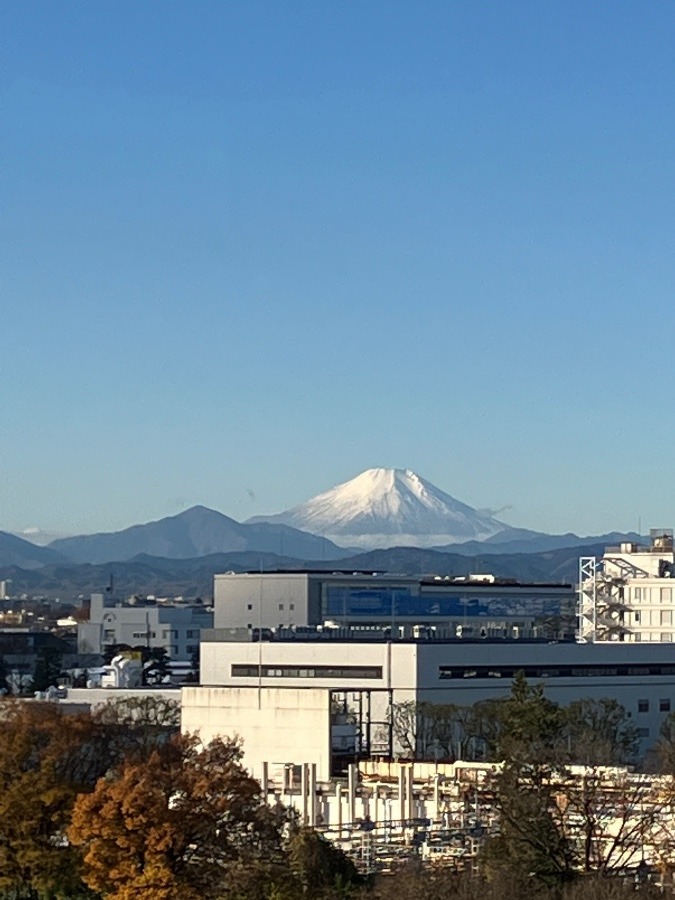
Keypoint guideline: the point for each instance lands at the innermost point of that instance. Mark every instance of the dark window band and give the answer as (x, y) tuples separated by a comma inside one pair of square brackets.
[(552, 671), (272, 671)]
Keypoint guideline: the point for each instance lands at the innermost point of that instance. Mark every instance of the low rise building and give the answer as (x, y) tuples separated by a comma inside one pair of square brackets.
[(174, 628), (468, 606), (296, 693)]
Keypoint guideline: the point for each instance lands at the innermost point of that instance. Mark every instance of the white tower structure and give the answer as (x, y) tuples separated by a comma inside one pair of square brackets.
[(629, 595)]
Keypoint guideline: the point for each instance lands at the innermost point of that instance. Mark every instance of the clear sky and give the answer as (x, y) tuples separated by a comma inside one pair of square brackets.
[(250, 249)]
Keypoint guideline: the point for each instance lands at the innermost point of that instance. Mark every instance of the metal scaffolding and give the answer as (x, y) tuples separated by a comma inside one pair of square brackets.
[(601, 609)]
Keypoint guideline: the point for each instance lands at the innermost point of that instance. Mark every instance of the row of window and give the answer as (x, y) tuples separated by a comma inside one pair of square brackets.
[(664, 705), (551, 671), (291, 606), (653, 595), (254, 671), (654, 617), (391, 602), (143, 635)]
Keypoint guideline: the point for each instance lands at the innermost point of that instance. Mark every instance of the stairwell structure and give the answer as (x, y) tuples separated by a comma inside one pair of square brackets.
[(629, 594)]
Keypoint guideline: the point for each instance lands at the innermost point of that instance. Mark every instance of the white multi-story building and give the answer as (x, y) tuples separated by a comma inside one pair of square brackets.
[(629, 595), (320, 689), (175, 628)]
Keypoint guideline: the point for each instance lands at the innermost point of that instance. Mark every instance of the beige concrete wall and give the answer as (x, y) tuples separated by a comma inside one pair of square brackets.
[(276, 725)]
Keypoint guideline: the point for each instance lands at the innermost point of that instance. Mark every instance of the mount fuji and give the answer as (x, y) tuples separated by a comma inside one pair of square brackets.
[(383, 508)]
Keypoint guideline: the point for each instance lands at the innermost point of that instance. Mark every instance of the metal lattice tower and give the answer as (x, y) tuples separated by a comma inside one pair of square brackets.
[(586, 604)]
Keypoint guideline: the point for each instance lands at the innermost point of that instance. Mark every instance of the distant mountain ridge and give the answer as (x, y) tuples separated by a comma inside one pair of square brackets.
[(15, 551), (536, 543), (192, 578), (389, 507), (198, 531)]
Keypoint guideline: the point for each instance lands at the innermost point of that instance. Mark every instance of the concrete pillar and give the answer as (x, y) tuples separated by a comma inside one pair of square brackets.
[(401, 792), (338, 803), (264, 780), (312, 794), (352, 780), (410, 793), (304, 792), (437, 796)]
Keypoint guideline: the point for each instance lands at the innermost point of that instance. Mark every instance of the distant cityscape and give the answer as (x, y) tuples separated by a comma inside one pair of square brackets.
[(356, 678)]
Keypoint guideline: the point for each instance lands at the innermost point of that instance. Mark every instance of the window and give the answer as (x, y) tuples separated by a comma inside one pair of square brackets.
[(666, 637), (556, 671), (249, 606), (664, 705), (665, 595), (281, 606), (275, 671), (636, 617), (291, 606), (643, 706), (643, 732), (666, 617), (192, 648), (191, 633), (638, 593)]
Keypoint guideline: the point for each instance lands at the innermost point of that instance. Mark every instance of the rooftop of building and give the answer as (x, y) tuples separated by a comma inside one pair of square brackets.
[(661, 541), (477, 580), (360, 634)]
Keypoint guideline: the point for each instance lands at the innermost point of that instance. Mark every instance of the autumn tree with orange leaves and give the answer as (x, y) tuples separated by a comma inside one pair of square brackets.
[(48, 758), (188, 824)]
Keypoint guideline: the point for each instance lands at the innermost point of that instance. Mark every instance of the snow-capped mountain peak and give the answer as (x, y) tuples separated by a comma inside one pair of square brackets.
[(389, 507)]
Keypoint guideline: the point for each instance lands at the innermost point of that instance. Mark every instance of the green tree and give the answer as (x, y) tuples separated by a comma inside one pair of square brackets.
[(155, 665), (532, 842), (531, 727), (47, 669), (318, 866)]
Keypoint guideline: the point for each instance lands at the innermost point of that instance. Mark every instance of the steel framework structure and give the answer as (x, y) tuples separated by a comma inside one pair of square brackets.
[(601, 606)]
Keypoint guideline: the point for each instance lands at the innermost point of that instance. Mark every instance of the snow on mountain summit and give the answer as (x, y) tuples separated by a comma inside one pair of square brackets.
[(386, 508)]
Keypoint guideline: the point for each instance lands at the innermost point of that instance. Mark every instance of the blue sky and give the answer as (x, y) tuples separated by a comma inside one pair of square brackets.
[(250, 249)]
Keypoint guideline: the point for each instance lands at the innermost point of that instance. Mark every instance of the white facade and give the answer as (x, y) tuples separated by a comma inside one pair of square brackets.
[(277, 724), (177, 629), (282, 695), (630, 594), (244, 682)]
